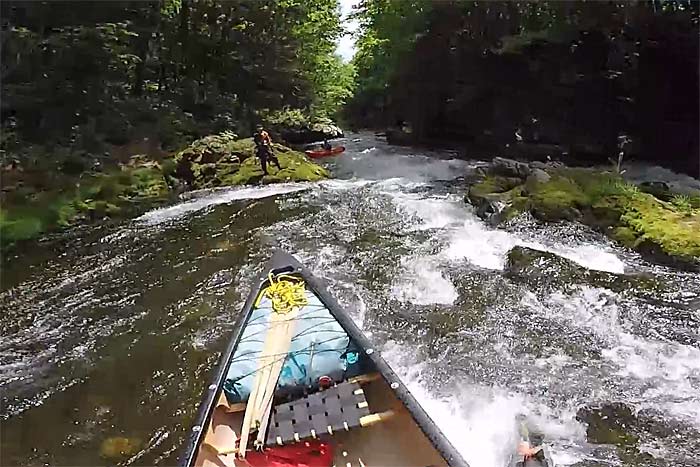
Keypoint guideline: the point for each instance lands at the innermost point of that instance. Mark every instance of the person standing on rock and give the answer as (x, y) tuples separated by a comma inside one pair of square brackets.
[(263, 148)]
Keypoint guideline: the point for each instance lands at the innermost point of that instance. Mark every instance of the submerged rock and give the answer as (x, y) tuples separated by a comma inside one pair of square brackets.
[(118, 447), (623, 426), (609, 424), (400, 136), (546, 271)]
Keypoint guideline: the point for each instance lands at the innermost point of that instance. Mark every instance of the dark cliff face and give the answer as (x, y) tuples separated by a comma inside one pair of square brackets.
[(575, 88)]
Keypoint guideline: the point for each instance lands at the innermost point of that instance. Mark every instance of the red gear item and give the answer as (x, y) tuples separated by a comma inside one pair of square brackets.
[(305, 454)]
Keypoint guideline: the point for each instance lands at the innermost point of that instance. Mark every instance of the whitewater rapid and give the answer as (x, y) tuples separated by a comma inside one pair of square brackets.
[(153, 300)]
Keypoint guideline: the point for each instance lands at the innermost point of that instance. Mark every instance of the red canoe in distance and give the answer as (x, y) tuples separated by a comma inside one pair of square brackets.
[(318, 153)]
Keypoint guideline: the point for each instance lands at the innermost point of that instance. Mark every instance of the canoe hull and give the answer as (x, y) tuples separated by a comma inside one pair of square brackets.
[(385, 393), (320, 153)]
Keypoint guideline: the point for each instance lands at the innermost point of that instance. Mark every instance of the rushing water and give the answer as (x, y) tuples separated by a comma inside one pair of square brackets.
[(112, 331)]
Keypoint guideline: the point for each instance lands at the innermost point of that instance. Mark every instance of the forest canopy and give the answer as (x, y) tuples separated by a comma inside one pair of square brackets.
[(83, 76), (577, 74)]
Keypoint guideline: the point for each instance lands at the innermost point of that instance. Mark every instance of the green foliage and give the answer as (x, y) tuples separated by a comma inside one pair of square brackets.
[(286, 118), (148, 183), (682, 202), (479, 70), (388, 30), (66, 65), (167, 167), (335, 84), (19, 226)]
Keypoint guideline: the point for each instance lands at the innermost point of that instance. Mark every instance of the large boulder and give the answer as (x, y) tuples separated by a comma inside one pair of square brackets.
[(222, 160), (665, 232), (537, 176), (496, 199), (556, 199), (503, 167), (629, 428), (660, 190), (312, 132), (400, 136), (546, 272)]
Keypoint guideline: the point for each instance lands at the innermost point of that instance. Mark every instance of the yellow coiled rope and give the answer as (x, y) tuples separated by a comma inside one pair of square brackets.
[(285, 292)]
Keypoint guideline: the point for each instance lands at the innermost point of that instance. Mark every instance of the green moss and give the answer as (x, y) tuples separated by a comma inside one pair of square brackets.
[(295, 167), (63, 212), (221, 160), (95, 196), (638, 219), (661, 224), (14, 228), (606, 202), (215, 148), (625, 236), (557, 199), (493, 184), (168, 166), (148, 183)]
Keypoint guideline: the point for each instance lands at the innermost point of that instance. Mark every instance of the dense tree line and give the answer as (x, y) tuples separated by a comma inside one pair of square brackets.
[(578, 75), (84, 74)]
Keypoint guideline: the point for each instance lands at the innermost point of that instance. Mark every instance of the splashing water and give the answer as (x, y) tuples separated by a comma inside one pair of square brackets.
[(113, 331)]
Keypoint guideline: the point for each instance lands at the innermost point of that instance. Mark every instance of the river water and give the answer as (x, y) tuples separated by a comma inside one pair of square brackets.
[(112, 330)]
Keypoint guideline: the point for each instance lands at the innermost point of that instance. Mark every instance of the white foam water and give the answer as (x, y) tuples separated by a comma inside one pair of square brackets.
[(422, 283), (162, 215), (470, 239), (664, 373), (479, 420)]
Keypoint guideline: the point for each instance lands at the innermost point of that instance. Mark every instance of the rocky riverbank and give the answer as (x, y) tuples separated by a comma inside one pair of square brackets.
[(36, 202), (648, 218)]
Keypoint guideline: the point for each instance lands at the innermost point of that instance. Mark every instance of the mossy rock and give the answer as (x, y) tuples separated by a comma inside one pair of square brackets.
[(625, 236), (494, 198), (546, 271), (95, 196), (296, 167), (215, 148), (492, 185), (238, 165), (560, 198), (661, 229)]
